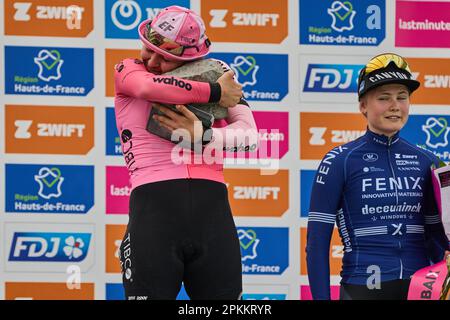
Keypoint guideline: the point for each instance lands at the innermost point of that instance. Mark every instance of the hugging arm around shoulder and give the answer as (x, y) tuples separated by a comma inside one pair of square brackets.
[(132, 79), (241, 127)]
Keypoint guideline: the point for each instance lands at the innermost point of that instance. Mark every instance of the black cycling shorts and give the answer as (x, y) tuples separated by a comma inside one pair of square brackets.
[(181, 231), (389, 290)]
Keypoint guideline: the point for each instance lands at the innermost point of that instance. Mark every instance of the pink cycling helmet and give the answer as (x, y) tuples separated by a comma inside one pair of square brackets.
[(177, 33)]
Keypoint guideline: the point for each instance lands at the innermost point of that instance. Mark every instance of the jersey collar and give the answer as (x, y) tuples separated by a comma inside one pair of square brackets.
[(382, 139)]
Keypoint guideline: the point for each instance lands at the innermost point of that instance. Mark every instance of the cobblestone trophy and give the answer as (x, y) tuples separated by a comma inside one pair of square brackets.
[(204, 70)]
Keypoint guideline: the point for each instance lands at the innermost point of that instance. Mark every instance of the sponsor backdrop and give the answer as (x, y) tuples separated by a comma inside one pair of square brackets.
[(64, 204)]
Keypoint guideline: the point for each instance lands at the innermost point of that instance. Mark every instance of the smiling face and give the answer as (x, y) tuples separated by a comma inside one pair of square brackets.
[(386, 108), (156, 63)]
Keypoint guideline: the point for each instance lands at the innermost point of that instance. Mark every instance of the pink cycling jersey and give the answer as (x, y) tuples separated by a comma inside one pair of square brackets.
[(147, 156)]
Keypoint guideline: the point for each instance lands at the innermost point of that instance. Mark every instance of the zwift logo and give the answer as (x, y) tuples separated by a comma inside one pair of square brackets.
[(49, 247), (337, 136), (218, 19), (44, 18), (331, 78)]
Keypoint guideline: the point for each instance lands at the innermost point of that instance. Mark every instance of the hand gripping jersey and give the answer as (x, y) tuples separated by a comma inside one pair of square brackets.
[(378, 191), (149, 157)]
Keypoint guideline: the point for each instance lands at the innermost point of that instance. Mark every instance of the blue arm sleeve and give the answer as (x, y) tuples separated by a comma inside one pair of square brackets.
[(317, 259), (325, 201)]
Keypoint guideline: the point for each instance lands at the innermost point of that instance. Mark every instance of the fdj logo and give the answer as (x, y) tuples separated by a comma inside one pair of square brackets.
[(124, 16), (50, 181), (249, 242), (49, 247), (331, 78), (342, 14), (49, 63), (437, 130)]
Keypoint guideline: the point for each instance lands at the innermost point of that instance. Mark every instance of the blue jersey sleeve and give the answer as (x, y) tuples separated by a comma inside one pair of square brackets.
[(325, 201)]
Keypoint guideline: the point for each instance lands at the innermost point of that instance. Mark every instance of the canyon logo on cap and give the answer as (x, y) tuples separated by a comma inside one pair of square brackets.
[(383, 69), (177, 33)]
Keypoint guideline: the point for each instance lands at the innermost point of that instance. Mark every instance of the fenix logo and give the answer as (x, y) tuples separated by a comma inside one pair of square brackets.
[(331, 78), (392, 184), (325, 166), (49, 247), (173, 82), (242, 19)]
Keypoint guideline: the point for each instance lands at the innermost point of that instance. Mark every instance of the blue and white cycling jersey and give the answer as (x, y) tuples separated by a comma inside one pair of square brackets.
[(378, 191)]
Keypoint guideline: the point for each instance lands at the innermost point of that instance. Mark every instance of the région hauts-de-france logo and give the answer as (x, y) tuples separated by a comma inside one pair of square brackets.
[(437, 130), (49, 63), (249, 242), (50, 181), (245, 69), (342, 14)]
